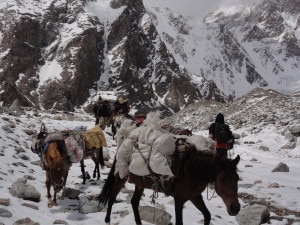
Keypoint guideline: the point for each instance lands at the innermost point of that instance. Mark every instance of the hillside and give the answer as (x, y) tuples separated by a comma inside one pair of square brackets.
[(154, 57)]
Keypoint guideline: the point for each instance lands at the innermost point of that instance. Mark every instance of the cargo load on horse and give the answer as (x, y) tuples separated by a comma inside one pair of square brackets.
[(150, 148)]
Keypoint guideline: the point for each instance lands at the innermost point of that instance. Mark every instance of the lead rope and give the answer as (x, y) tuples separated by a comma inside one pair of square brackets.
[(211, 195)]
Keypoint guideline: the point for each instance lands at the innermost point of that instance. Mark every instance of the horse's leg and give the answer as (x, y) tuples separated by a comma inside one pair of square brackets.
[(95, 158), (101, 158), (113, 130), (199, 203), (135, 201), (54, 202), (66, 177), (96, 170), (178, 210), (118, 184), (82, 171), (48, 185)]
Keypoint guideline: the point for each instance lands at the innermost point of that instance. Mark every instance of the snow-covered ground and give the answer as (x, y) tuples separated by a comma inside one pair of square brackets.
[(256, 175)]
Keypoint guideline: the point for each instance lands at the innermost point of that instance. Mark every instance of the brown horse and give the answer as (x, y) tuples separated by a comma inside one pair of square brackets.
[(193, 171), (96, 154), (57, 169)]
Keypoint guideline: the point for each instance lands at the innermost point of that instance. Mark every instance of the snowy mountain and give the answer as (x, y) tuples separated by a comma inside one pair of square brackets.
[(61, 54)]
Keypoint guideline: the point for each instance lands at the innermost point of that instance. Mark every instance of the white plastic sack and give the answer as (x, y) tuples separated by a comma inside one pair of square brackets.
[(202, 143), (138, 166), (122, 158)]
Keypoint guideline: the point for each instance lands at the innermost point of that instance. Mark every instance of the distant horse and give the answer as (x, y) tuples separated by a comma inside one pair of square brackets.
[(57, 169), (193, 171)]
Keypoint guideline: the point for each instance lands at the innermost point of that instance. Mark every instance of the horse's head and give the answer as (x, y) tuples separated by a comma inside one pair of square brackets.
[(226, 184), (57, 178), (37, 142)]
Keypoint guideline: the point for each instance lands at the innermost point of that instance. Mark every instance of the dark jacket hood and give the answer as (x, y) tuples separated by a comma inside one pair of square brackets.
[(220, 118)]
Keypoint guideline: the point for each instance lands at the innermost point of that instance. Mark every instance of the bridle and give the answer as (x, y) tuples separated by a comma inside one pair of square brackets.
[(56, 185)]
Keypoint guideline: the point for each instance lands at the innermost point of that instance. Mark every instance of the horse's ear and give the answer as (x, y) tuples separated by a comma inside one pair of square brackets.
[(43, 128), (236, 160)]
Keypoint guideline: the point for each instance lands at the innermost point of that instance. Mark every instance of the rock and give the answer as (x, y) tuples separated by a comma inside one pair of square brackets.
[(253, 215), (295, 130), (60, 222), (88, 206), (16, 107), (70, 193), (30, 206), (5, 213), (274, 185), (25, 221), (155, 215), (4, 201), (264, 148), (281, 167), (21, 190)]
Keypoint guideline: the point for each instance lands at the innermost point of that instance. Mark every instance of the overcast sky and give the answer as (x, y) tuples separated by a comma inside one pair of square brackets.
[(198, 7)]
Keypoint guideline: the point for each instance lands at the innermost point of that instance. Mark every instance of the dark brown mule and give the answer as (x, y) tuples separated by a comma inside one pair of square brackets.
[(57, 169), (96, 154), (193, 171)]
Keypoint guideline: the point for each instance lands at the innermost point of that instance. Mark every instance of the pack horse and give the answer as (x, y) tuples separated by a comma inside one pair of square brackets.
[(186, 185), (57, 169), (59, 150)]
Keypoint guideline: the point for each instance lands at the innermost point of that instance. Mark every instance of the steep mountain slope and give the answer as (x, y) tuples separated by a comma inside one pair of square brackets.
[(59, 54), (257, 46)]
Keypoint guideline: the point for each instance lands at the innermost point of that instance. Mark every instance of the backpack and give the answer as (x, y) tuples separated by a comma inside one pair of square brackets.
[(222, 133)]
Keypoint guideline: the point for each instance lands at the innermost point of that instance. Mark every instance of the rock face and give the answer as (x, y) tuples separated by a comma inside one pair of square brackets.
[(55, 55), (73, 59)]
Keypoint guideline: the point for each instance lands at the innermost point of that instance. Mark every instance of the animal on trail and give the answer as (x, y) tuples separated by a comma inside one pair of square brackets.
[(193, 170), (57, 169), (96, 154)]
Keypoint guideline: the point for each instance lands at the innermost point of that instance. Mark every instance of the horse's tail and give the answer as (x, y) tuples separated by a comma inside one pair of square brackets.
[(107, 187)]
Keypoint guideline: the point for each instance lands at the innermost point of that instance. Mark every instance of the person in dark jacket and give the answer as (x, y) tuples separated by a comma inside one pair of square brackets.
[(221, 147)]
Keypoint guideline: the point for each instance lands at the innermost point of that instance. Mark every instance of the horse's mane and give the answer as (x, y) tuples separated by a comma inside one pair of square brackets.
[(202, 165)]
